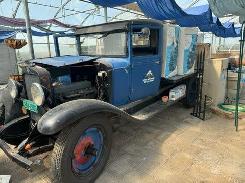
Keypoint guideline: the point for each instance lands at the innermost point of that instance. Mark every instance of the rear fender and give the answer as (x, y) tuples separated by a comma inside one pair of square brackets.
[(68, 113)]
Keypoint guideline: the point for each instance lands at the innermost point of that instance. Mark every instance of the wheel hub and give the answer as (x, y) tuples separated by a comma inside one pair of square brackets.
[(80, 152), (90, 150), (87, 151)]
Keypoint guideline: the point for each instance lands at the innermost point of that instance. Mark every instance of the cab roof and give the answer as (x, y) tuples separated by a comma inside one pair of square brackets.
[(115, 26)]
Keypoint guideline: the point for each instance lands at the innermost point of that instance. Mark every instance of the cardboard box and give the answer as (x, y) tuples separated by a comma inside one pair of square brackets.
[(216, 79)]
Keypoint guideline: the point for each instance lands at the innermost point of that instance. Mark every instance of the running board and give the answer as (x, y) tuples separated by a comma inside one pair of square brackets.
[(149, 111)]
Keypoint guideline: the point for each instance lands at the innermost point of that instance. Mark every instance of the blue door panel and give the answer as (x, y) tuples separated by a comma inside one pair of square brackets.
[(145, 59), (145, 79)]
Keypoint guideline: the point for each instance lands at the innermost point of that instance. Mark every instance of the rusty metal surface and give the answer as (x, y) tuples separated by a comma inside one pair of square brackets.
[(172, 146)]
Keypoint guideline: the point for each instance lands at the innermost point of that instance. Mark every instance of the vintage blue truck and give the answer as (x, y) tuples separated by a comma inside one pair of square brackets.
[(69, 104)]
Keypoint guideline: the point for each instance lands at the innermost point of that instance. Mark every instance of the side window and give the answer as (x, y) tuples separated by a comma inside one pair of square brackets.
[(67, 46), (145, 41)]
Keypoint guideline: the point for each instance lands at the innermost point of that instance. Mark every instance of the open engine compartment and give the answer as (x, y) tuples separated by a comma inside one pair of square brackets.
[(76, 81)]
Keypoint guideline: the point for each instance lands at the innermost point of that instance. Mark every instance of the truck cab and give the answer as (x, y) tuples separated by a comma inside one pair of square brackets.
[(133, 52)]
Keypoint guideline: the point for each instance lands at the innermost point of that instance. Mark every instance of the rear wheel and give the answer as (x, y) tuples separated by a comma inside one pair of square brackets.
[(82, 150)]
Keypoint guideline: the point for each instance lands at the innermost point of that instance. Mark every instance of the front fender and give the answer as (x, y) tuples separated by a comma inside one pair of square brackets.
[(68, 113)]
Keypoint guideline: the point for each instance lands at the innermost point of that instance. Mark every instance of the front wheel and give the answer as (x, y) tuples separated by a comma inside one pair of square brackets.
[(82, 150)]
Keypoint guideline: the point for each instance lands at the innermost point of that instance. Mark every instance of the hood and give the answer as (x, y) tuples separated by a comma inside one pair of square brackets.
[(63, 60)]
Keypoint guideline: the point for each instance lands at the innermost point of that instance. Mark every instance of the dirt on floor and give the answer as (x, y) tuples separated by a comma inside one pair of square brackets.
[(172, 146)]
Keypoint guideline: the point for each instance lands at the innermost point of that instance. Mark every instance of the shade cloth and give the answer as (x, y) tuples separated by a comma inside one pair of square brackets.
[(200, 16), (224, 7)]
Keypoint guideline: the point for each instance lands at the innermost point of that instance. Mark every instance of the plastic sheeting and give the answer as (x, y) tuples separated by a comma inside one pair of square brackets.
[(225, 7)]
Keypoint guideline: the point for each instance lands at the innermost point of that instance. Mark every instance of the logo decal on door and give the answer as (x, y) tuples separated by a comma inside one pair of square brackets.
[(149, 77)]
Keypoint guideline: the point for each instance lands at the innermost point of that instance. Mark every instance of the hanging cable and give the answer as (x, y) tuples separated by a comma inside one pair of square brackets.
[(16, 9), (85, 19), (73, 10)]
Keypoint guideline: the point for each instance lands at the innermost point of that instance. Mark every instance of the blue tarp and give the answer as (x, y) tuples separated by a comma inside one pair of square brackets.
[(12, 33), (7, 34), (200, 16), (111, 3), (161, 9), (221, 30), (195, 20)]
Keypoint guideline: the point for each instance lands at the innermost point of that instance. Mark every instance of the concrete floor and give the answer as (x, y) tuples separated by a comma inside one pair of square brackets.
[(170, 147)]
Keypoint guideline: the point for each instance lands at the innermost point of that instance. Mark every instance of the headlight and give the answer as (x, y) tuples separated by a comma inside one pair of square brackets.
[(13, 88), (37, 93)]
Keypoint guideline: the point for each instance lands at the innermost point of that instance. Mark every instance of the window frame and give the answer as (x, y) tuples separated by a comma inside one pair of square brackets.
[(151, 27)]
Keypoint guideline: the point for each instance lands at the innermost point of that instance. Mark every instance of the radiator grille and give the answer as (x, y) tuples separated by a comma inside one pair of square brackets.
[(29, 79)]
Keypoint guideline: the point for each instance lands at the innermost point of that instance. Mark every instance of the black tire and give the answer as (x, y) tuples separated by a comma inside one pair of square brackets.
[(191, 93), (61, 159)]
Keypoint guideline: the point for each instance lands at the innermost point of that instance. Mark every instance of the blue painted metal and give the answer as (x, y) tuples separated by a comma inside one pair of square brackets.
[(120, 80), (64, 60), (129, 73), (146, 70), (82, 163), (141, 85)]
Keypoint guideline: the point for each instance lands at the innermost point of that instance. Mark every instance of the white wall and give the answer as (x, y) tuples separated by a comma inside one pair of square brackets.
[(7, 63)]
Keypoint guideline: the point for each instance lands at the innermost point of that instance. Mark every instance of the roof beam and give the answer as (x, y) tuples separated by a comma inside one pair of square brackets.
[(62, 6)]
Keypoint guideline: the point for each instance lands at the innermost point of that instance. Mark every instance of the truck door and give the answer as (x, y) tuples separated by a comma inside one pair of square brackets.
[(145, 62)]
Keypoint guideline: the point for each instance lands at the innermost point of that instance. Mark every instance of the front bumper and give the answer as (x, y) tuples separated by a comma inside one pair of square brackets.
[(14, 156)]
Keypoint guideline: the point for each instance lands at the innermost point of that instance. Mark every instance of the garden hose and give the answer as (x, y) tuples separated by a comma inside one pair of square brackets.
[(232, 108)]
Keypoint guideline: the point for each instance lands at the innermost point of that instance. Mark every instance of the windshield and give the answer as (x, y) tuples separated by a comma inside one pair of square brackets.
[(108, 44)]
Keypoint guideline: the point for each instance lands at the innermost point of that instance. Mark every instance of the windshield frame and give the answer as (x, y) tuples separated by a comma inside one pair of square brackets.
[(126, 49)]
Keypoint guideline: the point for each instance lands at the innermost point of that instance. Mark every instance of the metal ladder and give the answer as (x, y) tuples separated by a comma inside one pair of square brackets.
[(199, 108)]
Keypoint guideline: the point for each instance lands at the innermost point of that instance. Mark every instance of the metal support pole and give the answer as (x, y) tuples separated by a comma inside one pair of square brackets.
[(78, 45), (242, 43), (106, 14), (28, 29), (219, 43), (49, 49), (56, 46)]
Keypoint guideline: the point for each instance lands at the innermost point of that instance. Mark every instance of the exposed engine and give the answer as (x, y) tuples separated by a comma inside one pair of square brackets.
[(83, 80), (49, 86)]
